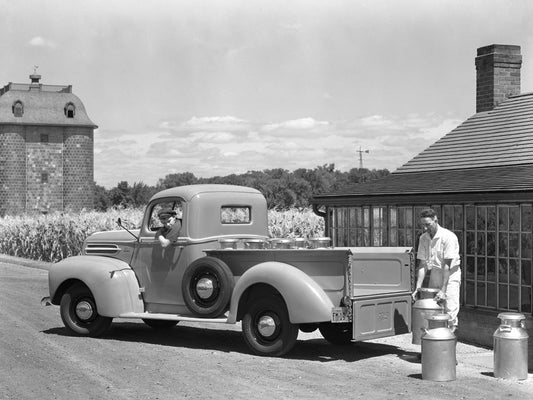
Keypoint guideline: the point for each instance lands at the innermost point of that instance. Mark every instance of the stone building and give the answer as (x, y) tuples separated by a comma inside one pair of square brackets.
[(479, 178), (46, 149)]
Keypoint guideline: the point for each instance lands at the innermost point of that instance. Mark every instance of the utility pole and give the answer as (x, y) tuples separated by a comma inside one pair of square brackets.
[(361, 156)]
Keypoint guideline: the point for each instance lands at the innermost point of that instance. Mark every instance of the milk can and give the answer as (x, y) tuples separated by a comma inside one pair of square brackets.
[(254, 243), (320, 242), (510, 347), (300, 243), (438, 350), (423, 308), (281, 243), (228, 243)]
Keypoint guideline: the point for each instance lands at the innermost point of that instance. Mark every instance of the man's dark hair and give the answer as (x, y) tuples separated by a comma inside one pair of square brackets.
[(428, 213)]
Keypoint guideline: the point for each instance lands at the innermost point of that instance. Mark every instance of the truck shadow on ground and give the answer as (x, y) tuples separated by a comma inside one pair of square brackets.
[(231, 340)]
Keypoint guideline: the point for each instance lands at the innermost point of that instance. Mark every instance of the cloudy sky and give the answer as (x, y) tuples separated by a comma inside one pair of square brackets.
[(215, 87)]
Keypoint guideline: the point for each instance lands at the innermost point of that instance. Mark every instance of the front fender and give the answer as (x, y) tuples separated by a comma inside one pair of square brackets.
[(306, 300), (112, 283)]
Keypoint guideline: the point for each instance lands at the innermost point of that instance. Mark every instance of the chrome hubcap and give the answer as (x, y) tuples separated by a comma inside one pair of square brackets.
[(84, 310), (205, 288), (266, 326)]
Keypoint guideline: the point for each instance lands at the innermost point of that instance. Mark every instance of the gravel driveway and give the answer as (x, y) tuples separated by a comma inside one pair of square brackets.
[(209, 361)]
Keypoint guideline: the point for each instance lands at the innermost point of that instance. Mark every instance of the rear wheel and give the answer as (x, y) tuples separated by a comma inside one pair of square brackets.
[(338, 333), (266, 327), (79, 313), (160, 324)]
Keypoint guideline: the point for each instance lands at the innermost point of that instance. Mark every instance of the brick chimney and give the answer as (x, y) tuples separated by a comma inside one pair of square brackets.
[(498, 75)]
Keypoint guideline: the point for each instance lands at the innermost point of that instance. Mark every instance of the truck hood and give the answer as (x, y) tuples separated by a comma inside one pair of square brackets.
[(113, 236)]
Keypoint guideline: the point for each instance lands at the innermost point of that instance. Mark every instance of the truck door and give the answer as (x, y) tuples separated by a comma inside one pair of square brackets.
[(160, 269)]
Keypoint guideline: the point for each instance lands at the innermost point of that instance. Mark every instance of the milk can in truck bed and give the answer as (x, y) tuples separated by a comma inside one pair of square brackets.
[(212, 273)]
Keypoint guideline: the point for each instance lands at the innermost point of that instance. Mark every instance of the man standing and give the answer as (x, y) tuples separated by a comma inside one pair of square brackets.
[(438, 252)]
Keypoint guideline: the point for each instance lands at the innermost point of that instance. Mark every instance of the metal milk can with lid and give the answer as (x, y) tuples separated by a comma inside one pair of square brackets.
[(510, 347), (423, 308), (438, 350)]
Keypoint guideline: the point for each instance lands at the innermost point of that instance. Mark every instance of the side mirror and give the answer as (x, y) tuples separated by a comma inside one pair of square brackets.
[(119, 223)]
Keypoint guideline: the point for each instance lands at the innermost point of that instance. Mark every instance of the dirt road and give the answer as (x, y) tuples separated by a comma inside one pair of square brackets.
[(38, 360)]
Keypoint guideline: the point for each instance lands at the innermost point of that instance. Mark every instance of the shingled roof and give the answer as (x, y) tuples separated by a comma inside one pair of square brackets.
[(44, 106), (503, 136), (491, 152)]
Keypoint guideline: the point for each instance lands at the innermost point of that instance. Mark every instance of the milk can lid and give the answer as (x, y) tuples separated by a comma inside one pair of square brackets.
[(429, 290), (511, 316), (440, 317)]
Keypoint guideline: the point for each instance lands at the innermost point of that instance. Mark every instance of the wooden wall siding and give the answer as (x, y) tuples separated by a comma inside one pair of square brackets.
[(503, 136)]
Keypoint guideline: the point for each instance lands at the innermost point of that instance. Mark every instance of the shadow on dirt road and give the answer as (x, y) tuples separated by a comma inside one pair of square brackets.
[(314, 349)]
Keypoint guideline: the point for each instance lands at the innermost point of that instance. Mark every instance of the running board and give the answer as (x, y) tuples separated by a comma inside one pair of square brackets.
[(172, 317)]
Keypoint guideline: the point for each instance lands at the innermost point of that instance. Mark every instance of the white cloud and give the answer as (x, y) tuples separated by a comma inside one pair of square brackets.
[(296, 124), (205, 149), (213, 137), (214, 123), (39, 41)]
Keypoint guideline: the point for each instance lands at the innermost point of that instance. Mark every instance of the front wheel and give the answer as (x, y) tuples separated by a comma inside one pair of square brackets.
[(338, 333), (267, 329), (79, 313)]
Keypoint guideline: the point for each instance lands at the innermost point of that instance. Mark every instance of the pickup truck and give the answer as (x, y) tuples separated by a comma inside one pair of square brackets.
[(223, 267)]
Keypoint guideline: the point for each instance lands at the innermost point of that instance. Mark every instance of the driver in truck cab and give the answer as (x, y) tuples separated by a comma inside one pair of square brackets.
[(171, 226)]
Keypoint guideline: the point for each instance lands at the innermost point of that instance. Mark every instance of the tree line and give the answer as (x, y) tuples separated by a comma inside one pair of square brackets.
[(283, 189)]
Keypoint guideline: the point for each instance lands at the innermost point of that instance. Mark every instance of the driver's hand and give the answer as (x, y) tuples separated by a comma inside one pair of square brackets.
[(440, 296), (415, 293), (164, 241)]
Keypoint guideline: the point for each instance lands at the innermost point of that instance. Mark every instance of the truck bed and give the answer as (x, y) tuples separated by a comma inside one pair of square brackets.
[(372, 270)]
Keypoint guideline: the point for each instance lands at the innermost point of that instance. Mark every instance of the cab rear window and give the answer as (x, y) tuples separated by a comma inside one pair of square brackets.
[(235, 215)]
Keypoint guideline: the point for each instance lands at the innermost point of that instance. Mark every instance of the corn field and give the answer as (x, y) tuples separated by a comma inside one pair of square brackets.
[(56, 236)]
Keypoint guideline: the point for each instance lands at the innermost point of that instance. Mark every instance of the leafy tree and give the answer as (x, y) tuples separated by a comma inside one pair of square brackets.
[(140, 194), (120, 195), (101, 198), (282, 188), (173, 180)]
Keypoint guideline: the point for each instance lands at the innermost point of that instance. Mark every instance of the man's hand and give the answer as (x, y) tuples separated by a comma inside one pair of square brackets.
[(164, 241), (441, 295), (414, 295)]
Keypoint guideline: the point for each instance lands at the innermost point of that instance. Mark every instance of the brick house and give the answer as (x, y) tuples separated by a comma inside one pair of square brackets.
[(479, 178), (46, 149)]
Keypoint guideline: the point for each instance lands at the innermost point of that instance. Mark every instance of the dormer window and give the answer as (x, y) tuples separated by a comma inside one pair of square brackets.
[(18, 109), (69, 110)]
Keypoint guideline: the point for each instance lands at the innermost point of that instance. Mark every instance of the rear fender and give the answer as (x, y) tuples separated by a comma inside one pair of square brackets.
[(112, 283), (306, 300)]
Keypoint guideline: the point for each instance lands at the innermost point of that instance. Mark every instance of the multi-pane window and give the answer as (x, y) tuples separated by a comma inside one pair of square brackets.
[(379, 226), (495, 244), (351, 226), (405, 226)]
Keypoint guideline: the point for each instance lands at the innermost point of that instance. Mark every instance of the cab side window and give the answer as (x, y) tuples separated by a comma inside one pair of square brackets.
[(154, 223)]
